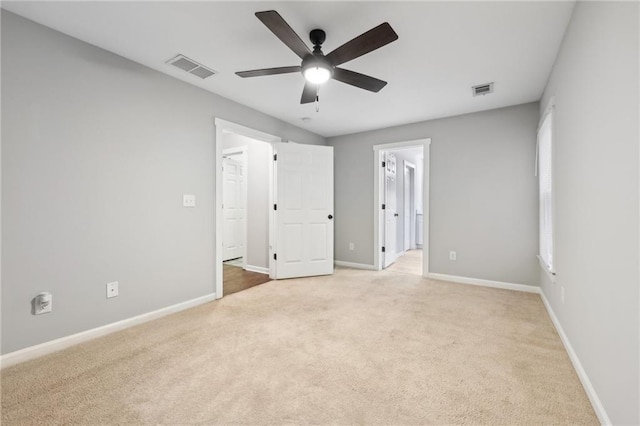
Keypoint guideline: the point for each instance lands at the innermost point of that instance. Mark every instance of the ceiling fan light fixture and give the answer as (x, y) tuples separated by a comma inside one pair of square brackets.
[(317, 74), (316, 68)]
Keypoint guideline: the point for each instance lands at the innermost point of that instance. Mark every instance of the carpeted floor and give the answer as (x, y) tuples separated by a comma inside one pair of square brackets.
[(359, 347), (410, 262)]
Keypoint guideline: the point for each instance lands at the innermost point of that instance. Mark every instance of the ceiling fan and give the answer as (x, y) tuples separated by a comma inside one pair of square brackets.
[(316, 67)]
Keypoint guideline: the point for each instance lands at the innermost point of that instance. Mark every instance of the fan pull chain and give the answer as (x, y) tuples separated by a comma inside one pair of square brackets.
[(317, 101)]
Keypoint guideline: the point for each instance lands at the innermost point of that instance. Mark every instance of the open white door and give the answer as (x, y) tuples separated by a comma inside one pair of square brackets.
[(303, 216), (233, 209), (390, 209)]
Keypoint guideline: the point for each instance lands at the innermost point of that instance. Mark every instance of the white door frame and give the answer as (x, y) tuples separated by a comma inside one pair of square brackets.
[(222, 126), (412, 199), (243, 151), (378, 186)]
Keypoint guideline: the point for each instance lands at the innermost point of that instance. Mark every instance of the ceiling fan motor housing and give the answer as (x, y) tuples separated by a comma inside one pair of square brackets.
[(317, 59), (317, 37)]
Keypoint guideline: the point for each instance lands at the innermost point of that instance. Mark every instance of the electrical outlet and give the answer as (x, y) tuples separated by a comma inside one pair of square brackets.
[(452, 255), (562, 294), (188, 200), (352, 246), (112, 289), (42, 303)]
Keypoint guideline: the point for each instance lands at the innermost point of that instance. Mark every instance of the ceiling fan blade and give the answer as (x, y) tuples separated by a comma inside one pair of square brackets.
[(284, 32), (268, 71), (309, 93), (373, 39), (359, 80)]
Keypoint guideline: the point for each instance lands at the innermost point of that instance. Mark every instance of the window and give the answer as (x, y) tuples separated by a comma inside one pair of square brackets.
[(545, 175)]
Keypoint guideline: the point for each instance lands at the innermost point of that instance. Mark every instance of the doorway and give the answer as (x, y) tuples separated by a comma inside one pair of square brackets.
[(297, 195), (238, 272), (234, 202), (244, 175), (401, 194)]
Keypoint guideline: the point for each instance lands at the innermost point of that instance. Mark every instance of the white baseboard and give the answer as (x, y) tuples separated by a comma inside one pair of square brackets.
[(354, 265), (51, 346), (258, 269), (577, 365), (485, 283)]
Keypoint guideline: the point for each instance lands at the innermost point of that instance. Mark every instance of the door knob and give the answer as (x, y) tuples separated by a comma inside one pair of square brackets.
[(330, 216), (395, 214)]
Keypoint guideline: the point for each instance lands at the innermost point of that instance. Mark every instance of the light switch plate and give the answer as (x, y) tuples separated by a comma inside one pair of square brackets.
[(188, 200)]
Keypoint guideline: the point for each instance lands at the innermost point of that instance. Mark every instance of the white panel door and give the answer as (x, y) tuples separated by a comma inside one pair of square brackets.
[(233, 209), (303, 219), (390, 211)]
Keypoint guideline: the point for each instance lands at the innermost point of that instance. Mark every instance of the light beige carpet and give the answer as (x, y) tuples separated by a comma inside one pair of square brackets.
[(410, 262), (359, 347)]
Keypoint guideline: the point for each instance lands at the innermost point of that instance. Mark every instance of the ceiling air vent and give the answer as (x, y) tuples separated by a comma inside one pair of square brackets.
[(191, 66), (482, 89)]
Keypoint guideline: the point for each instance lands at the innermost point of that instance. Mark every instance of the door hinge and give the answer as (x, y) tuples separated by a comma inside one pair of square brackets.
[(275, 207), (384, 206), (383, 249), (275, 256), (384, 164), (275, 157)]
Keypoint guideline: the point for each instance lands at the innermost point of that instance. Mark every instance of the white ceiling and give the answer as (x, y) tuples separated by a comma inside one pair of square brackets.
[(443, 49)]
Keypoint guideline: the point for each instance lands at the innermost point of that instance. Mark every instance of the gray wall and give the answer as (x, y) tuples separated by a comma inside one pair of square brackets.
[(483, 200), (595, 85), (258, 159), (97, 152)]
